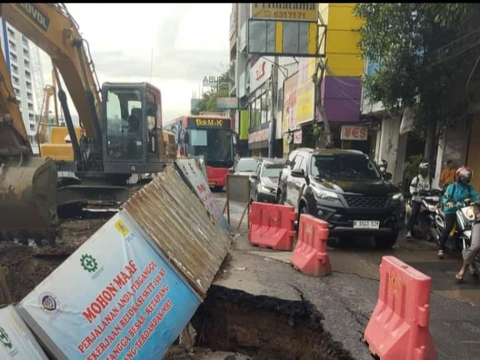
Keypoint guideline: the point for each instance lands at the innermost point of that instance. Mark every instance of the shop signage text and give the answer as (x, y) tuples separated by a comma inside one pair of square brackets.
[(284, 11), (260, 71), (258, 136), (227, 103), (359, 133)]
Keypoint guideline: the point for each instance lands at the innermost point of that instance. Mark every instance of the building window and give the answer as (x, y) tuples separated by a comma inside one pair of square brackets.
[(30, 106), (32, 127), (31, 117), (14, 68), (29, 96), (29, 85), (28, 74), (258, 109), (15, 80), (24, 40), (13, 56), (264, 110), (12, 45), (11, 32), (27, 63), (25, 52)]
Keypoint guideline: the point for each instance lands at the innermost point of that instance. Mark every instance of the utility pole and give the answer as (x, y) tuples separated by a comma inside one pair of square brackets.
[(273, 110), (318, 91), (151, 66)]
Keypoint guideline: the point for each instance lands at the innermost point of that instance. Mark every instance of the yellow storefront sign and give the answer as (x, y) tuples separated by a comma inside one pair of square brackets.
[(305, 92), (305, 103), (282, 11)]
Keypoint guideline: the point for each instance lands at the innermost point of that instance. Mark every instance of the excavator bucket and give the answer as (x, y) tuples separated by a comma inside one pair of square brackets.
[(28, 200)]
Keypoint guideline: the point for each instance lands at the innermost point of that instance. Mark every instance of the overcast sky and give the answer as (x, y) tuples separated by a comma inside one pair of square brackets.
[(190, 41)]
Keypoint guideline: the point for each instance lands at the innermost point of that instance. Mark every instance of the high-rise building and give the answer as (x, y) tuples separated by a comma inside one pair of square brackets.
[(16, 51)]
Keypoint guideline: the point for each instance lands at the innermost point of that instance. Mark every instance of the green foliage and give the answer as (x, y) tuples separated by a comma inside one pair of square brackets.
[(411, 166), (420, 49)]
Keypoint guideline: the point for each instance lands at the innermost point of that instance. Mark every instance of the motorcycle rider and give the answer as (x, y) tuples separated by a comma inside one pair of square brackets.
[(469, 254), (456, 193), (419, 183)]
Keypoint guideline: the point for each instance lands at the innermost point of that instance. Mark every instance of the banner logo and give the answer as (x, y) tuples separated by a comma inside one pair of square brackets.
[(4, 339), (49, 303), (89, 263)]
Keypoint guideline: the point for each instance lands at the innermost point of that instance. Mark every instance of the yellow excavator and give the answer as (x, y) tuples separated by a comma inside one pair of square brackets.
[(51, 136), (46, 123), (121, 132)]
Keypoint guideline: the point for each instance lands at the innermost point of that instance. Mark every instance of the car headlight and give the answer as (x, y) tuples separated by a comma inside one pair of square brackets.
[(398, 197), (325, 195)]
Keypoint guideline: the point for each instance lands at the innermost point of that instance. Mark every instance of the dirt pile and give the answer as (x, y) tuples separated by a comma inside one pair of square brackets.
[(28, 266)]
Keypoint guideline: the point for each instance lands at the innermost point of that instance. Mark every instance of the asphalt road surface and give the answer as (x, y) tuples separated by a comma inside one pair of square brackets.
[(347, 298), (360, 257)]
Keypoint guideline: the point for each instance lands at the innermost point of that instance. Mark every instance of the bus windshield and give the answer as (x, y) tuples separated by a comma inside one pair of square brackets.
[(216, 145)]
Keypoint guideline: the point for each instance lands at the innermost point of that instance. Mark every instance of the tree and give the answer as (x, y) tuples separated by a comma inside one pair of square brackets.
[(209, 98), (424, 53)]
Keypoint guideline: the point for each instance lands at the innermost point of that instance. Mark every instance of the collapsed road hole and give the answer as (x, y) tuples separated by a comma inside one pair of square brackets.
[(264, 327)]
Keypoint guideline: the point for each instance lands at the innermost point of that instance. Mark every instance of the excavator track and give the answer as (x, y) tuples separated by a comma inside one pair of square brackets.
[(28, 205)]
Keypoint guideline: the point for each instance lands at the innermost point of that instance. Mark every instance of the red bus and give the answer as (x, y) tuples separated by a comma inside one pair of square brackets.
[(210, 136)]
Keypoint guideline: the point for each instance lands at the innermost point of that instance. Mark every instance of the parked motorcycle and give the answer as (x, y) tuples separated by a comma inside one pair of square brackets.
[(424, 226)]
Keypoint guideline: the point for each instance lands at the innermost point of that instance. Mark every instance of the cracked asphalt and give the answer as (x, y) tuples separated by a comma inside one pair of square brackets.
[(347, 297)]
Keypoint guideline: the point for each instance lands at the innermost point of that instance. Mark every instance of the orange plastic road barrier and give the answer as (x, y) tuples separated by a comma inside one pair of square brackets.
[(310, 254), (272, 226), (398, 327)]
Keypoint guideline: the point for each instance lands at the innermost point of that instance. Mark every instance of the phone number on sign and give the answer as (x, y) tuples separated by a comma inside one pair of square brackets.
[(285, 15)]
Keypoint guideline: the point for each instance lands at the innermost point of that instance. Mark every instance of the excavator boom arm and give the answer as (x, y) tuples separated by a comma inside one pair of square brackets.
[(52, 28), (13, 135)]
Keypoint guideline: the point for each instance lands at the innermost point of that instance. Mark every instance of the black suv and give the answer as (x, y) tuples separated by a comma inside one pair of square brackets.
[(346, 189)]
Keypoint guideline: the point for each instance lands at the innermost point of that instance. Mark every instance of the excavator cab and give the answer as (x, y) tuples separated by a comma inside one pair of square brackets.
[(132, 120)]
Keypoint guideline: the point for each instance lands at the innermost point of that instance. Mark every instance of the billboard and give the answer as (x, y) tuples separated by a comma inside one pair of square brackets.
[(305, 91), (283, 29), (290, 103), (227, 103), (115, 297)]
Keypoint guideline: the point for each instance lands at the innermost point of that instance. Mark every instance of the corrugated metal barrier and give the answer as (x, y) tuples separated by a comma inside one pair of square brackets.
[(176, 221)]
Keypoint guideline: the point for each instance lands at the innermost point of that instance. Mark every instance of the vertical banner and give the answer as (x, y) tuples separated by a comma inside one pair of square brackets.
[(16, 340), (290, 103), (189, 170), (114, 298)]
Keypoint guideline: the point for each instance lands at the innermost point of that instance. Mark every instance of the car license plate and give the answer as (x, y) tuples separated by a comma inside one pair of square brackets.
[(366, 224)]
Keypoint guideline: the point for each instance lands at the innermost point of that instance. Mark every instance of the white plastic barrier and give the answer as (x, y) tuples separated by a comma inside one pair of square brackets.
[(114, 298), (16, 340)]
